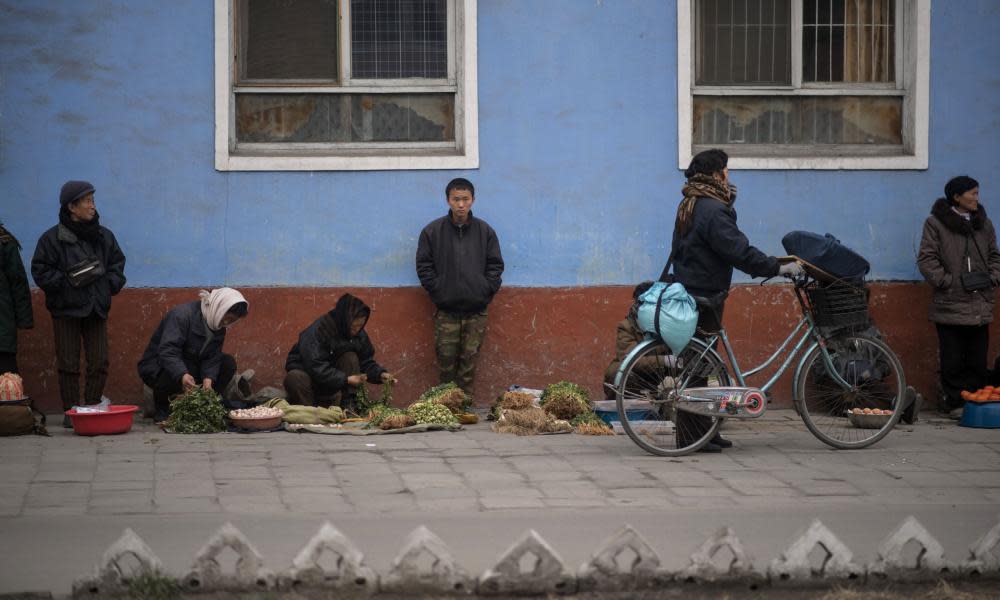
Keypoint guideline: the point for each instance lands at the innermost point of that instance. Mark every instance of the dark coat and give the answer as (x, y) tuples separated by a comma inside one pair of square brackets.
[(183, 343), (15, 296), (941, 260), (627, 337), (59, 249), (319, 347), (705, 256), (459, 265)]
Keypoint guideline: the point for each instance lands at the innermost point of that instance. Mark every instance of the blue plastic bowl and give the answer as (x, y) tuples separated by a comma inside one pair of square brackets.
[(607, 410), (985, 415)]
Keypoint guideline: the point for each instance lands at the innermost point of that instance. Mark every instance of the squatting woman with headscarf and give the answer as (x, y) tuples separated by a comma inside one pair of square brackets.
[(186, 348), (959, 258), (333, 357), (707, 245)]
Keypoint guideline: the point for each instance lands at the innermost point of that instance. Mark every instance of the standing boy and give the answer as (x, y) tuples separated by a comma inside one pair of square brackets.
[(459, 264)]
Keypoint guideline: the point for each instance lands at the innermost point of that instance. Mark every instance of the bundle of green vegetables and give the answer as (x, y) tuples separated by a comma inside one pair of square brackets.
[(432, 412), (198, 410), (449, 395), (565, 400)]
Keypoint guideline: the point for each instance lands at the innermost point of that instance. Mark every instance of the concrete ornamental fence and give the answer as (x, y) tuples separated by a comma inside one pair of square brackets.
[(605, 571)]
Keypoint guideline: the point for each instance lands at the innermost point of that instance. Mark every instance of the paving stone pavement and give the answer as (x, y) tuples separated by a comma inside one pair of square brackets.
[(200, 481)]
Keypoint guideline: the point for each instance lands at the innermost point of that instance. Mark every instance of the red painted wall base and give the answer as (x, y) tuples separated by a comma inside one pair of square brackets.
[(536, 336)]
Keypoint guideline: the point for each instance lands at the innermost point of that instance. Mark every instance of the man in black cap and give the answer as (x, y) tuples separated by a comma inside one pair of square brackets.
[(79, 266)]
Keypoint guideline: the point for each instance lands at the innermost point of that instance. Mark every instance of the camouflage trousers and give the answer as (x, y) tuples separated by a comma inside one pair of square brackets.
[(457, 340)]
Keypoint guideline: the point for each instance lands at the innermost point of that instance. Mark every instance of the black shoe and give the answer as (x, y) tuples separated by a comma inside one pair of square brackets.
[(710, 448), (721, 442), (67, 422)]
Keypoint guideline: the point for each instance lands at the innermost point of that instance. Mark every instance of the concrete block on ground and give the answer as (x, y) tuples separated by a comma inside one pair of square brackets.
[(892, 559), (529, 566), (703, 567), (110, 577), (984, 559), (602, 571), (445, 576), (795, 563), (249, 573), (351, 575)]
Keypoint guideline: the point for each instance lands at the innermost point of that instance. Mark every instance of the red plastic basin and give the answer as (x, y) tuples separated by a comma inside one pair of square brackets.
[(117, 419)]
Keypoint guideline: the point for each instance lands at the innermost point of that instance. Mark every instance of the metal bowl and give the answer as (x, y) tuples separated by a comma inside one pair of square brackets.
[(257, 424), (862, 421)]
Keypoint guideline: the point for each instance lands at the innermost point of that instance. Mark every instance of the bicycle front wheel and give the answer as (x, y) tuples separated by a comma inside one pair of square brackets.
[(875, 380), (646, 397)]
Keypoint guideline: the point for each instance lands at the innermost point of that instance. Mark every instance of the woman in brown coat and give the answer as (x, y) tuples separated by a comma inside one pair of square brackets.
[(959, 239)]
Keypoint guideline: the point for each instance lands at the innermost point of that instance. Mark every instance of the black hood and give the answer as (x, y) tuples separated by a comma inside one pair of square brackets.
[(954, 221), (347, 309)]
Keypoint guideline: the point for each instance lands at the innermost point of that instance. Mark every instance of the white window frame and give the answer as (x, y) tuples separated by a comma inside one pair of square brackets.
[(913, 21), (462, 80)]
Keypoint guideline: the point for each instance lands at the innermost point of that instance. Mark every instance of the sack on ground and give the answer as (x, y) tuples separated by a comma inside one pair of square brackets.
[(18, 417), (668, 311), (827, 253)]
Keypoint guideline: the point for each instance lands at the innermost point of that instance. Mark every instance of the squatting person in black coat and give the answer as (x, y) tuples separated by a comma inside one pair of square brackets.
[(707, 246), (333, 357), (79, 266), (186, 348), (459, 264), (15, 300)]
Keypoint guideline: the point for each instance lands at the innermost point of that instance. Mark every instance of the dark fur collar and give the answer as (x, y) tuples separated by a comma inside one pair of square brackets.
[(953, 221)]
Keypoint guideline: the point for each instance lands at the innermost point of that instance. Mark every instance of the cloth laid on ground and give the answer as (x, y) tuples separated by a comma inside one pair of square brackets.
[(358, 428)]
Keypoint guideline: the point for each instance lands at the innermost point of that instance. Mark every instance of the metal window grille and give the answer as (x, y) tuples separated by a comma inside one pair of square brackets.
[(848, 41), (392, 39), (743, 42)]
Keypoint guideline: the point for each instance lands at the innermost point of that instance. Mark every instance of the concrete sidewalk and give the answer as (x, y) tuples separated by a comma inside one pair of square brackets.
[(64, 499)]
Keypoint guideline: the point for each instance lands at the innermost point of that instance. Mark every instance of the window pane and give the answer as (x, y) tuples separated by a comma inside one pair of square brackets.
[(872, 120), (325, 118), (288, 39), (743, 42), (854, 41), (392, 39)]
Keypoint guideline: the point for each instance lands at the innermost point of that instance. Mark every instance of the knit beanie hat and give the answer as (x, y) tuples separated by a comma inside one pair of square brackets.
[(73, 191)]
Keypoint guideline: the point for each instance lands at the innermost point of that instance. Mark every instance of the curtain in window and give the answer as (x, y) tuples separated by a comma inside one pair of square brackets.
[(869, 41)]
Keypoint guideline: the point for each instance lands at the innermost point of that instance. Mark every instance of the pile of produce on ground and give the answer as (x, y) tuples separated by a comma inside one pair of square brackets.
[(529, 421), (257, 412), (985, 394), (448, 395), (197, 410), (561, 407), (871, 411), (431, 412), (565, 400), (366, 403)]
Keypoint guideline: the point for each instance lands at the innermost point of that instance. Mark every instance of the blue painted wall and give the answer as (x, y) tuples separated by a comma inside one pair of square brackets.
[(577, 134)]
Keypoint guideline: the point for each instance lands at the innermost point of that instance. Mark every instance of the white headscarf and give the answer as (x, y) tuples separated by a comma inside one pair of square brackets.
[(216, 303)]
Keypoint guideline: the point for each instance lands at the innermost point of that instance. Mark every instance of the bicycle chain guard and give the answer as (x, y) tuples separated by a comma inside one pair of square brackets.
[(723, 402)]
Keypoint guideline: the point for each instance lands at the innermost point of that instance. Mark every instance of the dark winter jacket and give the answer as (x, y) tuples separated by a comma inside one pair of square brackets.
[(59, 249), (15, 297), (183, 343), (627, 337), (705, 256), (942, 259), (323, 342), (459, 265)]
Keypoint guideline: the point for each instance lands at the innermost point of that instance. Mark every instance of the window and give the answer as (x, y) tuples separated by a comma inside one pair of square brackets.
[(809, 84), (346, 84)]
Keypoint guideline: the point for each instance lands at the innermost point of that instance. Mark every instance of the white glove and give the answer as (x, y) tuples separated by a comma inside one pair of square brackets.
[(791, 269)]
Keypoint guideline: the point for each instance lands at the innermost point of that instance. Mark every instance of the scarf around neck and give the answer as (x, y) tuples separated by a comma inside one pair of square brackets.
[(90, 231), (215, 305), (701, 186)]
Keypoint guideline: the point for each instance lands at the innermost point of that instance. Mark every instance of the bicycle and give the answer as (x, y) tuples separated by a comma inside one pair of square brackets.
[(844, 368)]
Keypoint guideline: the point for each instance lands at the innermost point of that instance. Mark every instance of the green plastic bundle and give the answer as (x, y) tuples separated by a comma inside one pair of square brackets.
[(197, 410)]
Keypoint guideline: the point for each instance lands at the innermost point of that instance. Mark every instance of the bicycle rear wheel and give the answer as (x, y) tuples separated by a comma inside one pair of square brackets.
[(876, 379), (647, 391)]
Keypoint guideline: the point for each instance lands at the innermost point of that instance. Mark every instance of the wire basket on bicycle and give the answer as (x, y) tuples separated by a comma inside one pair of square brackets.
[(838, 303)]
